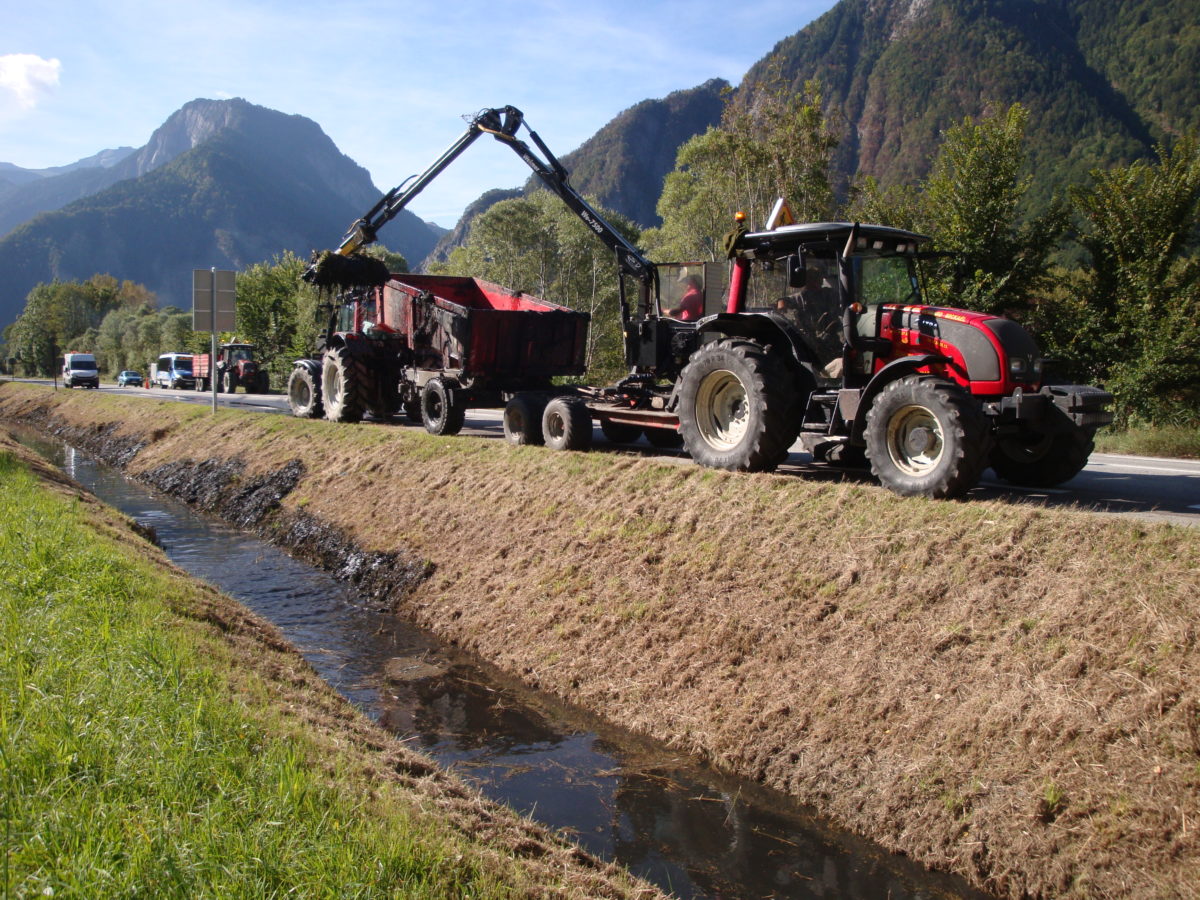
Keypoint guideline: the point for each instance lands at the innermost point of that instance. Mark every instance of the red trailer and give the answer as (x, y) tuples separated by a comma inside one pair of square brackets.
[(436, 345)]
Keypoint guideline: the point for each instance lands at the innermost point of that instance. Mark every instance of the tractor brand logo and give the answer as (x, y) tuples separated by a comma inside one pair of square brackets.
[(953, 317), (591, 222)]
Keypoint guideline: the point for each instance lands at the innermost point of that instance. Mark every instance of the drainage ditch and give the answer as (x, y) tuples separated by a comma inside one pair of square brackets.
[(690, 830)]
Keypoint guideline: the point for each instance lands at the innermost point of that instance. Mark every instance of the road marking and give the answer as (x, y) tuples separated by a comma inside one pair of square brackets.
[(1142, 469)]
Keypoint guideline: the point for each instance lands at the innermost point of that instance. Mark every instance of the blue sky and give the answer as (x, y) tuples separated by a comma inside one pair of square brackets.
[(389, 82)]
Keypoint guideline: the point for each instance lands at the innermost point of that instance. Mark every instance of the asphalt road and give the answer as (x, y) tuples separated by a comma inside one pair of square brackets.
[(1165, 490)]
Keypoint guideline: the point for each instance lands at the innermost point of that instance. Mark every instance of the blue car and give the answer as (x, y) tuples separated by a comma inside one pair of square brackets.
[(129, 378)]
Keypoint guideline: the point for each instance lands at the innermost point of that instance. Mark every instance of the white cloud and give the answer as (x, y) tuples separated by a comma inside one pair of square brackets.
[(25, 79)]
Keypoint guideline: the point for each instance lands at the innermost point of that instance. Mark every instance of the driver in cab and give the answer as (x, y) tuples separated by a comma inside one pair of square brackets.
[(691, 302), (816, 293)]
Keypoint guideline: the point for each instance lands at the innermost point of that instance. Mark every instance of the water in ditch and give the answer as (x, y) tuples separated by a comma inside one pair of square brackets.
[(686, 828)]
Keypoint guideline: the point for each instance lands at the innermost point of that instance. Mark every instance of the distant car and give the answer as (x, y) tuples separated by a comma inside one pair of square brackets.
[(129, 377)]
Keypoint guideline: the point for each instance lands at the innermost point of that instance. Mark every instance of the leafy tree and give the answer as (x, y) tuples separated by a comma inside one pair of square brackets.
[(62, 316), (268, 309), (771, 143), (1134, 319), (536, 244), (973, 206)]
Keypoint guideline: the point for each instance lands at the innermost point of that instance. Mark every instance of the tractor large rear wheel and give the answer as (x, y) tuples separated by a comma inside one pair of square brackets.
[(736, 407), (344, 385), (304, 394), (1041, 460), (927, 437)]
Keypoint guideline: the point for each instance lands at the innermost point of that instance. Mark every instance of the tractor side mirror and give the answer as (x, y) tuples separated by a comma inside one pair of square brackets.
[(795, 270)]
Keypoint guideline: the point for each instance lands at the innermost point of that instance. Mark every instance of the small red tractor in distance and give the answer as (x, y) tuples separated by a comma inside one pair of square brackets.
[(236, 367), (816, 333)]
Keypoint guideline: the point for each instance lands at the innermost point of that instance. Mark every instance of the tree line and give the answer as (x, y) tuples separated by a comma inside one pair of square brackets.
[(1107, 275)]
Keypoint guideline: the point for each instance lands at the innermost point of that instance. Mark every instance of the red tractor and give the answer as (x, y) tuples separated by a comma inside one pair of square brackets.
[(236, 367), (816, 332)]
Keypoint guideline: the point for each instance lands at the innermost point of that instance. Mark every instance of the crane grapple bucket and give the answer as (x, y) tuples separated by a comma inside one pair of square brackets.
[(328, 269)]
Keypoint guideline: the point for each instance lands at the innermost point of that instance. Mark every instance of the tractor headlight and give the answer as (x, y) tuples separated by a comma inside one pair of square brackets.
[(1037, 367), (1016, 366)]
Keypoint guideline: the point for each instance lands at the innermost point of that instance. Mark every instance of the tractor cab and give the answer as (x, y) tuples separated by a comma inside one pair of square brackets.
[(824, 285)]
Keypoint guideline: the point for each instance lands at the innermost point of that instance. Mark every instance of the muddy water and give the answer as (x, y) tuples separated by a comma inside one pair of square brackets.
[(688, 829)]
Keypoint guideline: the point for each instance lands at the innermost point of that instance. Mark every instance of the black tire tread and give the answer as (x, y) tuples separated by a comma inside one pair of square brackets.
[(969, 438)]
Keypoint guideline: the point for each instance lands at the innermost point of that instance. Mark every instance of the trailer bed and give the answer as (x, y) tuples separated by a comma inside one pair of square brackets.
[(482, 331)]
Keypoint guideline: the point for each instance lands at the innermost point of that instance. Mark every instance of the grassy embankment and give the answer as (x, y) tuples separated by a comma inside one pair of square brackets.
[(1175, 442), (995, 689), (156, 740)]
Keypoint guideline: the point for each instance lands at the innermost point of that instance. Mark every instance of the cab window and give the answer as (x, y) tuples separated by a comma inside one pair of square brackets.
[(886, 279), (807, 296)]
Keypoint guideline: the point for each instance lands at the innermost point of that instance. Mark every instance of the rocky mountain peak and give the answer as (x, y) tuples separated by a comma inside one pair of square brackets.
[(188, 127)]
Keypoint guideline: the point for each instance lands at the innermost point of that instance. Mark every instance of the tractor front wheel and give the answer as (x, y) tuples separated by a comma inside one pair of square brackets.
[(439, 412), (344, 383), (1041, 460), (304, 394), (736, 407), (926, 437)]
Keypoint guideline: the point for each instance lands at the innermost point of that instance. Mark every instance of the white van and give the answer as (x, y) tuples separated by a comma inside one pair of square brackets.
[(79, 369), (173, 370)]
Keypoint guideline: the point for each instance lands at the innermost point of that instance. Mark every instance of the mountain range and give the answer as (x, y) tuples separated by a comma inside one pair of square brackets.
[(229, 183), (221, 183)]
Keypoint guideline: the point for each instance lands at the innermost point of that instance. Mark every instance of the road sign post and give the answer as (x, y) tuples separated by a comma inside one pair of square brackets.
[(214, 308)]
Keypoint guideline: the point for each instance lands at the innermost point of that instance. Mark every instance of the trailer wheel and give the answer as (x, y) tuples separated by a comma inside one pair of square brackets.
[(523, 419), (412, 410), (439, 412), (1041, 460), (926, 437), (620, 433), (344, 382), (567, 424), (664, 438), (304, 394), (736, 407)]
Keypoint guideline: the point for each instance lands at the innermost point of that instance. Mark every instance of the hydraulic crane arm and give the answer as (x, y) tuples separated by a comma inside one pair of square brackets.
[(502, 124)]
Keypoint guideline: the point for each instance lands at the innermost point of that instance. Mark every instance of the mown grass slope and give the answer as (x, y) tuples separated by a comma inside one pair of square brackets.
[(999, 690)]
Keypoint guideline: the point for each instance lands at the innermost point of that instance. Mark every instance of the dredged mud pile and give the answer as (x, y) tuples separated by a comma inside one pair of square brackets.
[(1001, 691)]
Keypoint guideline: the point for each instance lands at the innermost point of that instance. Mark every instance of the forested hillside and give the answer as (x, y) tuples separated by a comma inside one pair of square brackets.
[(1102, 81), (624, 163)]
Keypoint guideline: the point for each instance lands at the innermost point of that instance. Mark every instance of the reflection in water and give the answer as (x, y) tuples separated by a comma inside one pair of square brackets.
[(688, 829)]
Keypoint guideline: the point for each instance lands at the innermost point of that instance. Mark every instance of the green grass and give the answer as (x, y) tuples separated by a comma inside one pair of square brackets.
[(1170, 441), (130, 766)]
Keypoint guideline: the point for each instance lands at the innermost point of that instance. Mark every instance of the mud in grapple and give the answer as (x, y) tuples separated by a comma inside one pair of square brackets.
[(327, 269)]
